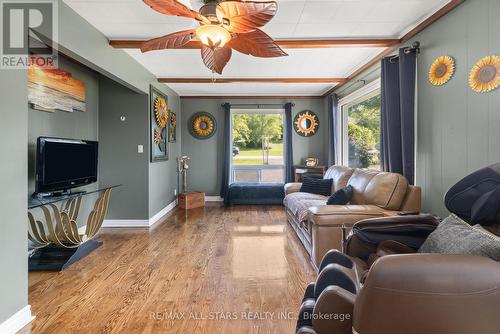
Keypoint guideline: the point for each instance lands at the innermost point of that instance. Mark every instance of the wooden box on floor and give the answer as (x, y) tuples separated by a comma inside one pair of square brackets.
[(191, 200)]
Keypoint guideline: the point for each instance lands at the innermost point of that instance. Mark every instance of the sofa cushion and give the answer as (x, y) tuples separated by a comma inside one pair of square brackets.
[(341, 196), (316, 186), (298, 203), (385, 190), (455, 236), (340, 176)]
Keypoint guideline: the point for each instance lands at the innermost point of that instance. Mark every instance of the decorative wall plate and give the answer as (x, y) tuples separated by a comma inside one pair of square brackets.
[(306, 123), (202, 125), (441, 70), (485, 75), (161, 111)]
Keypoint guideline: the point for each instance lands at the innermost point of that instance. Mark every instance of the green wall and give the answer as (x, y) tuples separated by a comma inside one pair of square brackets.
[(206, 155), (457, 127)]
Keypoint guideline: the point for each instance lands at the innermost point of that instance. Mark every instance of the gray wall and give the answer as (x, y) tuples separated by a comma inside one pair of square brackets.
[(457, 128), (14, 181), (205, 167), (119, 162)]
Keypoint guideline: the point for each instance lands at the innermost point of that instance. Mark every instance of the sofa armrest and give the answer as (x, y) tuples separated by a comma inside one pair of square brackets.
[(429, 293), (333, 312), (342, 215), (292, 187)]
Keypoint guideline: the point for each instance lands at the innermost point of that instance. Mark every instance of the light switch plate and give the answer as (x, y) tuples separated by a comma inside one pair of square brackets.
[(140, 149)]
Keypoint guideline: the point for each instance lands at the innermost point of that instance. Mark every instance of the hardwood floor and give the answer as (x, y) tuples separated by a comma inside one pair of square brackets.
[(211, 270)]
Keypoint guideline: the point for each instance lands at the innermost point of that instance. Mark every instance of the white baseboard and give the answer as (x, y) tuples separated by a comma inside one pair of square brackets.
[(20, 319), (140, 223), (156, 218), (213, 199), (125, 223)]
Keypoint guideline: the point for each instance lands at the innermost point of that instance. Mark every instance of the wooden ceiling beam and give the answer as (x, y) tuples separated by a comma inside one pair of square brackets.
[(252, 80), (285, 43)]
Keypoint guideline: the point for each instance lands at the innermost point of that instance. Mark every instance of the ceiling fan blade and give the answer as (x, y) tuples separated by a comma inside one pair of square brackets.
[(258, 44), (216, 59), (173, 7), (247, 16), (170, 41)]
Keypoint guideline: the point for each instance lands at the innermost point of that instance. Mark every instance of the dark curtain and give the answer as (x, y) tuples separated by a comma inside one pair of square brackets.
[(289, 177), (333, 104), (226, 154), (398, 114)]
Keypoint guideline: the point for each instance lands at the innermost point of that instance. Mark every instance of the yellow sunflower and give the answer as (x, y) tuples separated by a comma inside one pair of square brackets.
[(306, 124), (441, 70), (161, 112), (203, 125), (485, 75)]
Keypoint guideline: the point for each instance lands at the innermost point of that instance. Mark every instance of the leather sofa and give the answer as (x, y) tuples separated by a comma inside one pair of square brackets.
[(321, 227)]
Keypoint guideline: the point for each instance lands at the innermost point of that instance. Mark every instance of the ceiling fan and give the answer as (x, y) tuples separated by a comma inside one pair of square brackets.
[(224, 25)]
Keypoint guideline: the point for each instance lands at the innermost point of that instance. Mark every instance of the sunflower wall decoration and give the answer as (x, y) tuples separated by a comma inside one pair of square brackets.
[(441, 70), (159, 119), (485, 75), (202, 125), (161, 111), (306, 123), (172, 128)]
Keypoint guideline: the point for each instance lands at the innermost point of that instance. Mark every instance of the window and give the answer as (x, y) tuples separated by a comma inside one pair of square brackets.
[(257, 146), (361, 128)]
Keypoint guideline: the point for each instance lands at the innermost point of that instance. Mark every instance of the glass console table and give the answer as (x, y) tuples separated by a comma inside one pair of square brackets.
[(55, 239)]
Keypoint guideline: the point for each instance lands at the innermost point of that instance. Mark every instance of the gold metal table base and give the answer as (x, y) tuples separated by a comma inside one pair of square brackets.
[(59, 227)]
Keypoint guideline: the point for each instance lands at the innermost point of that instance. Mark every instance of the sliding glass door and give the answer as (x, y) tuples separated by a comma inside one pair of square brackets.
[(257, 146)]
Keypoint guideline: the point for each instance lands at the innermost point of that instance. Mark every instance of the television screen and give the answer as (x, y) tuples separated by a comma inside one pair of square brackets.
[(63, 164)]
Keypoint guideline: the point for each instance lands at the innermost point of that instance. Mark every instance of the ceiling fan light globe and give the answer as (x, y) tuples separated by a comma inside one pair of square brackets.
[(211, 34)]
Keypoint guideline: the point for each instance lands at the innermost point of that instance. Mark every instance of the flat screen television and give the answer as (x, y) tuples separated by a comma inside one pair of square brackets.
[(63, 164)]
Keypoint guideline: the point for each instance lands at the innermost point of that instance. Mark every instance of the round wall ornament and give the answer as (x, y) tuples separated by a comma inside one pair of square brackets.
[(441, 70), (485, 75), (306, 123), (202, 125)]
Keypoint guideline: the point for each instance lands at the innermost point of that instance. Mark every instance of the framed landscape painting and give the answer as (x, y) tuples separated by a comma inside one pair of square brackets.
[(55, 89), (159, 119)]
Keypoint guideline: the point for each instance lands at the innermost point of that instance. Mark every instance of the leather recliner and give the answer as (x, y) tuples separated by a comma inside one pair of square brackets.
[(380, 285)]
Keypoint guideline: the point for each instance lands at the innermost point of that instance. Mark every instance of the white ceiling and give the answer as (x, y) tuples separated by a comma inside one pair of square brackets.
[(308, 19)]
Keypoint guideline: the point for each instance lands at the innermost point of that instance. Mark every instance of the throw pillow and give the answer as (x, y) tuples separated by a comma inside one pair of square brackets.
[(455, 236), (316, 186), (341, 196)]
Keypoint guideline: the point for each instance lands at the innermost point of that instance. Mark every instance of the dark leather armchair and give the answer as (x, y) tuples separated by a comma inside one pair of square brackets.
[(387, 288)]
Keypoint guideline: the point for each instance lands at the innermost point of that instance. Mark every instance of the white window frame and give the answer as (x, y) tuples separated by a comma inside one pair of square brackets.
[(258, 168), (343, 145)]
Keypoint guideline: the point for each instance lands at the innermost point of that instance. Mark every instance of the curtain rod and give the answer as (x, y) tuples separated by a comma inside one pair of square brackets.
[(414, 47), (258, 105)]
